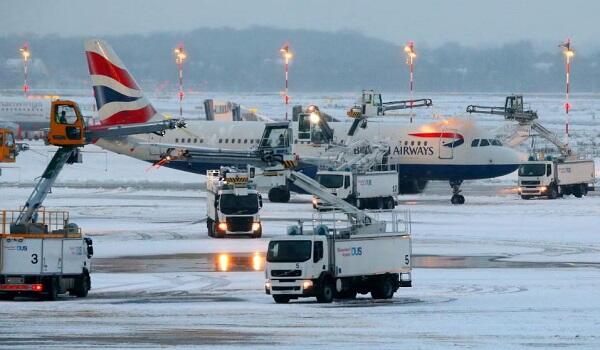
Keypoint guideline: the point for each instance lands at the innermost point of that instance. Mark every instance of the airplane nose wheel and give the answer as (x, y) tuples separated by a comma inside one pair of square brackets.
[(457, 198)]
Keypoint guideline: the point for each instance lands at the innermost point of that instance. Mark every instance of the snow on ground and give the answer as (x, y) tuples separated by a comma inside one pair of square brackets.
[(547, 296)]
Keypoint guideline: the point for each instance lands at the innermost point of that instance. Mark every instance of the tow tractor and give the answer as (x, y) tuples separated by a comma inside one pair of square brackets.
[(550, 177), (43, 253), (232, 203)]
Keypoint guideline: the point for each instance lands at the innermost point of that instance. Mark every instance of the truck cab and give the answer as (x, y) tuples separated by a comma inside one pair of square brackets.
[(233, 204), (297, 264), (536, 178)]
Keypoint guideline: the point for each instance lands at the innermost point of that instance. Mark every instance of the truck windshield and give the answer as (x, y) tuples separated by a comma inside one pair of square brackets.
[(331, 181), (231, 204), (289, 251), (532, 169)]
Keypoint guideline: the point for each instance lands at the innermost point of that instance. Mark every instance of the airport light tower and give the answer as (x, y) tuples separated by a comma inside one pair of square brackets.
[(180, 57), (287, 56), (569, 53), (25, 54), (411, 55)]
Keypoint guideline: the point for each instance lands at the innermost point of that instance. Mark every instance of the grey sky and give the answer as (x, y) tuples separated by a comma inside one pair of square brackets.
[(471, 22)]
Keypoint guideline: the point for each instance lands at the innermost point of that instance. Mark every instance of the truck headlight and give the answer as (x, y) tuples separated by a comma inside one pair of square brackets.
[(543, 189), (222, 226), (306, 284), (255, 226)]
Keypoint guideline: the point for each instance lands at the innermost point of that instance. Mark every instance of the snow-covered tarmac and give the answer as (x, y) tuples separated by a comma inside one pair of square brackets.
[(478, 305)]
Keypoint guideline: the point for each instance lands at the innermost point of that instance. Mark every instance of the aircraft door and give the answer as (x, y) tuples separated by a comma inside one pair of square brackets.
[(446, 143)]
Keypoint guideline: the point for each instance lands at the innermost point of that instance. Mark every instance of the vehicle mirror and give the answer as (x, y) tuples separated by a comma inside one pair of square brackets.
[(260, 203), (90, 247), (548, 169), (346, 181)]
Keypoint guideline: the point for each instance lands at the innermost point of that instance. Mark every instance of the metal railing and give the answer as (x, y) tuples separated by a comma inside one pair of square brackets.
[(339, 223), (52, 222)]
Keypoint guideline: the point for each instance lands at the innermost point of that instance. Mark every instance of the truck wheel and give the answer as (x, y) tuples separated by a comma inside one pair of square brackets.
[(553, 193), (82, 286), (281, 299), (326, 293), (383, 289), (525, 197), (578, 191), (52, 289), (390, 203)]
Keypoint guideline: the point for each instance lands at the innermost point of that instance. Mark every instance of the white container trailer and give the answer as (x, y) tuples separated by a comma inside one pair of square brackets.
[(365, 190), (329, 263), (554, 178)]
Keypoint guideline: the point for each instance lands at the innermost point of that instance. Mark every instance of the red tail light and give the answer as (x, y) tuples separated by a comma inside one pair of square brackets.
[(37, 287)]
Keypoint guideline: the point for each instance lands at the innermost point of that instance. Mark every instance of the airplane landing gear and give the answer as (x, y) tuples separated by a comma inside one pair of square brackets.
[(457, 198)]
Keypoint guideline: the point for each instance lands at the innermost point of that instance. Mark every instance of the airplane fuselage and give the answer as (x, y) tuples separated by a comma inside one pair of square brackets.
[(442, 150)]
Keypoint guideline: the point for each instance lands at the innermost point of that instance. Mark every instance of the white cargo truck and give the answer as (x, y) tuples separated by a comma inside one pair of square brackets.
[(554, 178), (54, 261), (365, 190), (327, 262), (232, 203)]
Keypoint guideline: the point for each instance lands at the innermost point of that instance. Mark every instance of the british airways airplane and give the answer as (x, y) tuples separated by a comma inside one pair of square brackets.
[(450, 150)]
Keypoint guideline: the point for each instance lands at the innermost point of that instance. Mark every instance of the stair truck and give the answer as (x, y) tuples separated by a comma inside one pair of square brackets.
[(338, 258), (232, 203), (551, 177), (43, 253)]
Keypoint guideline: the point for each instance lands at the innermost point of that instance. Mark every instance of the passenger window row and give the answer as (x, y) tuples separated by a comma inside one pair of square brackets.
[(413, 143), (189, 140), (485, 142)]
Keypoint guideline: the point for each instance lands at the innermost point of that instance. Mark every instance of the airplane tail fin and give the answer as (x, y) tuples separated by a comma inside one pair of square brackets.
[(119, 99)]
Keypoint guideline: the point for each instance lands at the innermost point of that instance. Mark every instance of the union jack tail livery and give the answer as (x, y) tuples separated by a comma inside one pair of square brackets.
[(119, 99)]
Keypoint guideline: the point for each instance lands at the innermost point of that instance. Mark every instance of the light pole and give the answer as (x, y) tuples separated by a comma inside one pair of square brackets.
[(569, 53), (287, 55), (25, 54), (180, 56), (411, 54)]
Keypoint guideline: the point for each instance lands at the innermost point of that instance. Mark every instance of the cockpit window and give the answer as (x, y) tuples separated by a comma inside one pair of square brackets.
[(475, 143), (484, 142), (496, 142)]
